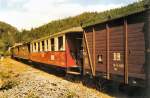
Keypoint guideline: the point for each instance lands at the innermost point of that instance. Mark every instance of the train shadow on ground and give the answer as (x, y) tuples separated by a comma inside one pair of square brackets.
[(109, 87)]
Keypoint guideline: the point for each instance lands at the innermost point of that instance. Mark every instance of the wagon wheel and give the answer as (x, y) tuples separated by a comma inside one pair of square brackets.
[(101, 84)]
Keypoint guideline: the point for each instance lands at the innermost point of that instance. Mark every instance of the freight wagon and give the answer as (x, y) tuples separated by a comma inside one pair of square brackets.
[(116, 48)]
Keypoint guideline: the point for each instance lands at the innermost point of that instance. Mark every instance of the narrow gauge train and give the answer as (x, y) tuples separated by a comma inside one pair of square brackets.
[(62, 50), (115, 49)]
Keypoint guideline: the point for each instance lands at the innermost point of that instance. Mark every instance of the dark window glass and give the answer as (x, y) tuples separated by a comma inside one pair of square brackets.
[(35, 47), (52, 44), (60, 43), (38, 46), (43, 46)]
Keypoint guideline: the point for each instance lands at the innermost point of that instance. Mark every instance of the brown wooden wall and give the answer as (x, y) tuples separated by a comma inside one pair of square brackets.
[(124, 36)]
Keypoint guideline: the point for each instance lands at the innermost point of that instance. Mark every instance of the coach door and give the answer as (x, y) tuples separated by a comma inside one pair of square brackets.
[(75, 44), (79, 45)]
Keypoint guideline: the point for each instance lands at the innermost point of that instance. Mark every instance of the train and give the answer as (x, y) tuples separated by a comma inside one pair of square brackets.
[(61, 50), (116, 49)]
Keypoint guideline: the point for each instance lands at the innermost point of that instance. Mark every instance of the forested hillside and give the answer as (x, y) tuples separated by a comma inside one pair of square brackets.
[(55, 26), (85, 19), (7, 36), (116, 13)]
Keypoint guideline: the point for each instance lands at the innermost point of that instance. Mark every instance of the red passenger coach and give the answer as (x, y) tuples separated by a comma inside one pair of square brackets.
[(21, 51), (63, 49)]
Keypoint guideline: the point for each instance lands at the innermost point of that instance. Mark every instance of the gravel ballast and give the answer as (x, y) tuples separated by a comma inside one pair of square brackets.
[(34, 83)]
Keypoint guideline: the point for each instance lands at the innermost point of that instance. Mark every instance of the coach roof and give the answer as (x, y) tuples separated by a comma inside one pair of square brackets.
[(71, 30)]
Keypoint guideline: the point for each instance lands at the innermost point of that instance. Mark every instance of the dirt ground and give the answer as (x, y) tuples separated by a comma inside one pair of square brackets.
[(18, 80)]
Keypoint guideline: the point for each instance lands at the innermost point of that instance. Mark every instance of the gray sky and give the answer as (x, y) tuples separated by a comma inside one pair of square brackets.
[(25, 14)]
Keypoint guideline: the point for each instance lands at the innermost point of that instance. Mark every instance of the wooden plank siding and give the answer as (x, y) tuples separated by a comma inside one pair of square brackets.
[(122, 38)]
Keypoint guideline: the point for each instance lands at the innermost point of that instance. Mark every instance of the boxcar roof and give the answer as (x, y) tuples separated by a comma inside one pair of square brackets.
[(71, 30), (116, 13)]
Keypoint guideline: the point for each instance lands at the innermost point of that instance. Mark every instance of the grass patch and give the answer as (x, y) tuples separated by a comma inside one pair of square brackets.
[(7, 81), (72, 95), (4, 75), (8, 84)]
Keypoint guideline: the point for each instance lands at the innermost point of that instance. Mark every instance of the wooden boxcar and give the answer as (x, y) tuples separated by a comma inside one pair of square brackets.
[(115, 49)]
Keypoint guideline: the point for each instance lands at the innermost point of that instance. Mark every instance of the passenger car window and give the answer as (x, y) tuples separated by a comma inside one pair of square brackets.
[(60, 43), (52, 44), (38, 46), (35, 47), (43, 46)]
